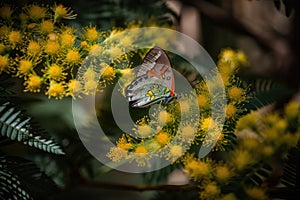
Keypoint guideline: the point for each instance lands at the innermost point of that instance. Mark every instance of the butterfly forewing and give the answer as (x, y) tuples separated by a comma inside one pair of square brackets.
[(154, 80)]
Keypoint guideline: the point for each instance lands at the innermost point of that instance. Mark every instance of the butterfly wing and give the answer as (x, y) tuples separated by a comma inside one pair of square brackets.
[(154, 80), (157, 64), (146, 91)]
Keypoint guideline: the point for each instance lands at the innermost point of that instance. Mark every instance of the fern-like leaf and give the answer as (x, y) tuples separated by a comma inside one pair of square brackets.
[(265, 92), (15, 126), (291, 173), (22, 179)]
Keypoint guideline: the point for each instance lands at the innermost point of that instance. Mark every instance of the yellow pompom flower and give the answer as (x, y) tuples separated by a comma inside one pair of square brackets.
[(4, 30), (196, 168), (4, 63), (115, 52), (164, 117), (144, 130), (25, 67), (229, 196), (46, 26), (116, 154), (227, 55), (89, 74), (141, 149), (175, 152), (67, 39), (33, 48), (2, 48), (203, 101), (210, 191), (292, 110), (91, 34), (74, 88), (236, 93), (222, 173), (15, 37), (55, 72), (256, 193), (73, 57), (231, 111), (108, 73), (6, 11), (33, 83), (56, 90), (162, 138), (188, 133), (124, 144), (242, 59), (62, 12), (52, 48), (248, 122), (36, 12), (90, 87), (126, 41), (241, 159), (95, 50)]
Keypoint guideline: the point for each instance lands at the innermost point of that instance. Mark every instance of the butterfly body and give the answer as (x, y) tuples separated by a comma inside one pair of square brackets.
[(154, 82)]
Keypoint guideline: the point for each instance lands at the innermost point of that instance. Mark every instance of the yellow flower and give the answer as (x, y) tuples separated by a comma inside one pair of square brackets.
[(2, 48), (175, 152), (6, 11), (56, 90), (108, 73), (248, 122), (196, 168), (62, 12), (46, 26), (126, 41), (73, 57), (25, 67), (267, 150), (95, 50), (256, 193), (230, 111), (52, 48), (222, 173), (23, 17), (33, 48), (227, 55), (123, 143), (74, 87), (89, 74), (67, 39), (15, 37), (251, 144), (116, 154), (242, 59), (162, 138), (4, 63), (33, 83), (236, 93), (144, 130), (203, 101), (36, 12), (115, 52), (55, 72), (91, 34), (4, 31), (229, 196), (207, 123), (291, 110), (141, 149), (184, 106), (210, 191), (188, 133), (90, 87), (241, 159), (164, 117)]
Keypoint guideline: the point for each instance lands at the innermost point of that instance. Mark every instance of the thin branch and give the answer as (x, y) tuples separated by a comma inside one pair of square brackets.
[(141, 188)]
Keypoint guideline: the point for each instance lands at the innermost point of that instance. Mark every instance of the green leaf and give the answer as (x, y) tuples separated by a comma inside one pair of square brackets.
[(22, 179), (265, 92), (15, 126)]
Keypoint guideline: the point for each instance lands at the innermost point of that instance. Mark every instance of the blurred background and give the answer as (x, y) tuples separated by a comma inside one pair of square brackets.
[(266, 30)]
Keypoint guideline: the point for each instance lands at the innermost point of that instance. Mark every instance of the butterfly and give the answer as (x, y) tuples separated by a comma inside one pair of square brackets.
[(154, 81)]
